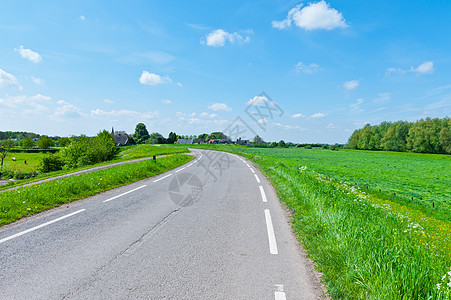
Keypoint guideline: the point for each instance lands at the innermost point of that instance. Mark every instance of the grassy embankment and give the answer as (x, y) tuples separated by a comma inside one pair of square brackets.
[(29, 200), (368, 244), (34, 159)]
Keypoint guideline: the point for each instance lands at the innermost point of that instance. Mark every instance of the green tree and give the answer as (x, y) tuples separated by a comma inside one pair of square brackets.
[(141, 134), (216, 135), (64, 142), (172, 138), (156, 138), (45, 142), (282, 144), (258, 139), (353, 141), (203, 137), (27, 143), (5, 147)]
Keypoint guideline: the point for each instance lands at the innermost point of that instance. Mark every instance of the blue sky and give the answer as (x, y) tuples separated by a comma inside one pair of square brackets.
[(325, 67)]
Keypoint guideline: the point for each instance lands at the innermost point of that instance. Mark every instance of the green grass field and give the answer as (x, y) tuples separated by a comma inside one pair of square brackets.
[(368, 245), (25, 201), (11, 168)]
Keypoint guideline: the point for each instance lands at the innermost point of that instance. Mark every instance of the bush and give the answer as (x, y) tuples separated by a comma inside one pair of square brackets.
[(85, 151), (50, 163)]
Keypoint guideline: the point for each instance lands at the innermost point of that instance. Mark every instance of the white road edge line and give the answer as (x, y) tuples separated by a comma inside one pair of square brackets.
[(262, 191), (279, 296), (40, 226), (115, 197), (256, 178), (252, 170), (180, 169), (162, 178), (271, 235)]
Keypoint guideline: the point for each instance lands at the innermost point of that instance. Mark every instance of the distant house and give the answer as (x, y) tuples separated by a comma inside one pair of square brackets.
[(243, 142), (120, 138), (199, 141), (218, 141), (185, 141)]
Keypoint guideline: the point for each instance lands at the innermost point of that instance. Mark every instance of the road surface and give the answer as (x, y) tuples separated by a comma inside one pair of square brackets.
[(211, 229)]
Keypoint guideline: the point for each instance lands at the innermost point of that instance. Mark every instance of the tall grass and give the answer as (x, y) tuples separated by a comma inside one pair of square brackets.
[(368, 245), (367, 248), (25, 201)]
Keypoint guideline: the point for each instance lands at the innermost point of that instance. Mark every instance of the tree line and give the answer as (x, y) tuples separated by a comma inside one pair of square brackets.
[(423, 136)]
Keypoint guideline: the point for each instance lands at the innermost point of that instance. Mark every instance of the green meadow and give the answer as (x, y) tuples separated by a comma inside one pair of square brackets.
[(367, 244), (29, 200)]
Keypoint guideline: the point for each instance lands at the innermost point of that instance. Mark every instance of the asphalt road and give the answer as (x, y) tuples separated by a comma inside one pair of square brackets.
[(211, 229)]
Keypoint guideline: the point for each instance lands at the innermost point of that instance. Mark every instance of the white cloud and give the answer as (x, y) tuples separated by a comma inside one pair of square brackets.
[(153, 79), (25, 104), (37, 80), (356, 106), (219, 37), (108, 101), (203, 122), (219, 107), (382, 98), (311, 68), (317, 115), (333, 126), (289, 127), (66, 110), (296, 116), (124, 113), (82, 18), (425, 68), (317, 15), (7, 80), (29, 54), (258, 101), (179, 84), (207, 115), (351, 85), (166, 101)]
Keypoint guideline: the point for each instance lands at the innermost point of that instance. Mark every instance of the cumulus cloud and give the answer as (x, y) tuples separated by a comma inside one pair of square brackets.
[(29, 54), (66, 110), (26, 104), (109, 101), (7, 80), (317, 115), (207, 115), (153, 79), (317, 15), (219, 107), (351, 85), (296, 116), (219, 37), (289, 127), (124, 113), (425, 68), (258, 101), (308, 69), (166, 101), (37, 80), (356, 106), (82, 18)]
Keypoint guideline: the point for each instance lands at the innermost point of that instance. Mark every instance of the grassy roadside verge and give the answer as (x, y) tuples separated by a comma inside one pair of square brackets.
[(367, 245), (26, 201), (126, 154)]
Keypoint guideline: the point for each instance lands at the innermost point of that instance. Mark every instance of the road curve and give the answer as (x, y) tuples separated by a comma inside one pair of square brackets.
[(211, 229)]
